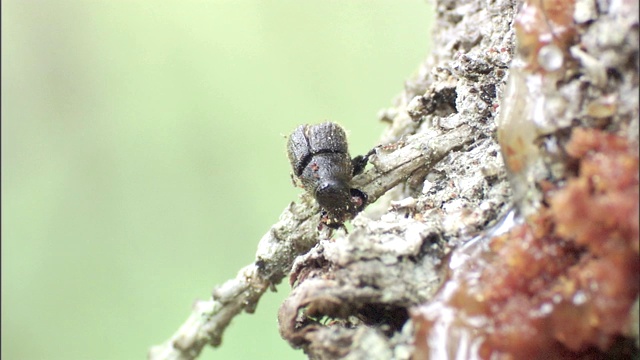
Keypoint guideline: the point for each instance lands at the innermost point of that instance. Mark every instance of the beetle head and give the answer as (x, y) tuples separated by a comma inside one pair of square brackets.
[(339, 202), (335, 198)]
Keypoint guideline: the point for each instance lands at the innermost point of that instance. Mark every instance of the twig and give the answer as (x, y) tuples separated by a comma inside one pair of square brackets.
[(295, 233)]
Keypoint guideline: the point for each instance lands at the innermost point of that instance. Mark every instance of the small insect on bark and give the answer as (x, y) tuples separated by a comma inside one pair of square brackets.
[(321, 164)]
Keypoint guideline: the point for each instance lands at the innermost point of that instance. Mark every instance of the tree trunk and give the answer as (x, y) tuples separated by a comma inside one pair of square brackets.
[(552, 208)]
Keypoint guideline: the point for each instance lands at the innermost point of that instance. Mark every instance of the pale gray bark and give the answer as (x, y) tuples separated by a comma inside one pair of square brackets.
[(438, 180)]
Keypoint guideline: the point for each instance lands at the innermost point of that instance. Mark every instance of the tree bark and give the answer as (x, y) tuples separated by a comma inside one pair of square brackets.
[(439, 177)]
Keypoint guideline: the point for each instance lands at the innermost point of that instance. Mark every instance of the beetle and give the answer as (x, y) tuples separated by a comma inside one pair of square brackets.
[(321, 164)]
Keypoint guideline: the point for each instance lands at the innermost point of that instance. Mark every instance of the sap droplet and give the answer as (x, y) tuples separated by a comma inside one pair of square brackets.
[(550, 57)]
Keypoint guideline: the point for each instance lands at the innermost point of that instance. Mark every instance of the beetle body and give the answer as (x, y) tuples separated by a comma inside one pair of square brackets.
[(319, 156)]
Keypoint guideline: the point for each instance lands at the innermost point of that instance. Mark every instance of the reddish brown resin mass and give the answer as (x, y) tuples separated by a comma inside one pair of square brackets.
[(559, 286)]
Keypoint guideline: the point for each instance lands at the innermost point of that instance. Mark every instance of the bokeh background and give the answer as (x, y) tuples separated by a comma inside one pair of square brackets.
[(143, 154)]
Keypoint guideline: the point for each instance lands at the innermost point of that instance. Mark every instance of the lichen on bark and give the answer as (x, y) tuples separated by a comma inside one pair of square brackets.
[(572, 69), (352, 292), (440, 178)]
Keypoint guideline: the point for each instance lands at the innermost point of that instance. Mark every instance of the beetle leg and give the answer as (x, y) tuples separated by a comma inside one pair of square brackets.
[(360, 162), (296, 181), (358, 199), (332, 225)]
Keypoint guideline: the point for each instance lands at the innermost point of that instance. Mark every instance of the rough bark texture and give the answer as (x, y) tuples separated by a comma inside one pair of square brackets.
[(362, 295), (439, 179), (356, 289)]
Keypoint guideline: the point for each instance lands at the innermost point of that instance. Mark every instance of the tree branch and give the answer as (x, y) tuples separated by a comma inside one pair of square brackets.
[(294, 234)]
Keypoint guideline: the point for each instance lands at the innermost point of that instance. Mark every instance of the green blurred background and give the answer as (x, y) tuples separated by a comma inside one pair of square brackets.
[(143, 155)]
